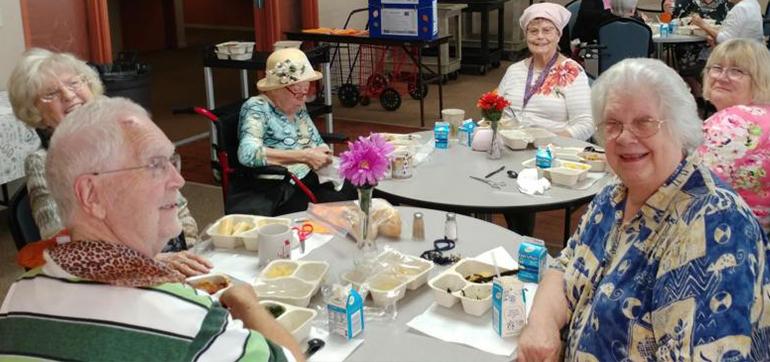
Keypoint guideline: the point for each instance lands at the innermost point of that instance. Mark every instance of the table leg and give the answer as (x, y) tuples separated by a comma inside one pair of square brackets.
[(500, 29), (419, 85), (484, 49), (6, 200), (440, 84)]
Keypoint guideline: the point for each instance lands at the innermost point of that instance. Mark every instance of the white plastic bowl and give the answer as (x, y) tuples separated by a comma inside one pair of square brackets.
[(295, 319), (444, 286), (198, 281)]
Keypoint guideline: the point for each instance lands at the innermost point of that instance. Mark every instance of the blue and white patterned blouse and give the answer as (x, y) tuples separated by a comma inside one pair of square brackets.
[(686, 279), (263, 125)]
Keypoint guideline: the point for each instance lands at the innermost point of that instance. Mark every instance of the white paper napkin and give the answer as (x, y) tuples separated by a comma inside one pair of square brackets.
[(454, 325), (424, 151), (530, 184), (337, 348)]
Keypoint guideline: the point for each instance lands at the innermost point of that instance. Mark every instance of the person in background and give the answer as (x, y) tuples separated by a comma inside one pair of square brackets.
[(103, 295), (43, 88), (668, 263), (275, 128), (744, 20), (547, 89), (594, 13), (737, 137)]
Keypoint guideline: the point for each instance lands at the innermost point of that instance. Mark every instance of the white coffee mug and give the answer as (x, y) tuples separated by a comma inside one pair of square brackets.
[(274, 242)]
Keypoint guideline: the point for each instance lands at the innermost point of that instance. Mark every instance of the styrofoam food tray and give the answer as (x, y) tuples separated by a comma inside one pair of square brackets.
[(597, 161), (248, 238), (399, 273), (295, 319), (450, 286), (291, 281), (542, 137), (516, 139)]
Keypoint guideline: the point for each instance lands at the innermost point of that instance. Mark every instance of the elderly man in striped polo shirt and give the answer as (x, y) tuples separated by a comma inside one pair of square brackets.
[(102, 296)]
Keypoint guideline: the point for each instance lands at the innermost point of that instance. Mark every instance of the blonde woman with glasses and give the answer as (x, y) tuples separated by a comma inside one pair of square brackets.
[(43, 88), (737, 137), (668, 263)]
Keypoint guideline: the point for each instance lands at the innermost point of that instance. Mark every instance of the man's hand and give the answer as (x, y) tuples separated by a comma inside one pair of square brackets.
[(239, 296), (186, 262), (539, 343), (696, 20)]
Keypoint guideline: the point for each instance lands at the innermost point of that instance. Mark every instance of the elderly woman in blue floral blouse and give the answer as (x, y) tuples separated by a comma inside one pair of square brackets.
[(276, 129), (668, 263)]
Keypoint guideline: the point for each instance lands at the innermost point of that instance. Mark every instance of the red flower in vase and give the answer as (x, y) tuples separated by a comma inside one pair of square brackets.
[(492, 105)]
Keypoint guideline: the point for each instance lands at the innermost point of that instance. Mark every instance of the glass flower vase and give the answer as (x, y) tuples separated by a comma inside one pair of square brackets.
[(495, 151), (366, 233)]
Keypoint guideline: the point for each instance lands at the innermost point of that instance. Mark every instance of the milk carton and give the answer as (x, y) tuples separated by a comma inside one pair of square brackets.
[(346, 313), (532, 258), (441, 134), (508, 306)]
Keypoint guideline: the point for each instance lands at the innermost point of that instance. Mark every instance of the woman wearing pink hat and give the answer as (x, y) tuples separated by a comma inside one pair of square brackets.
[(548, 90)]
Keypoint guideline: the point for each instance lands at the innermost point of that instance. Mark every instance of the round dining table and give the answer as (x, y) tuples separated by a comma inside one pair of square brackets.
[(443, 182), (394, 340)]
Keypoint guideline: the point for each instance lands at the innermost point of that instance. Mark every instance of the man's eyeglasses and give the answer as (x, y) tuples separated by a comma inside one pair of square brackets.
[(732, 73), (547, 31), (641, 128), (158, 166), (73, 85)]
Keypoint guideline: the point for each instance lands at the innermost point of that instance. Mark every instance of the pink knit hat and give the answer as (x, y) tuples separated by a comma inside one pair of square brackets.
[(555, 13)]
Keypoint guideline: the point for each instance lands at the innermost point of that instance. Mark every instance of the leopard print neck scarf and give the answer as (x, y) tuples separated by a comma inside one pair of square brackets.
[(112, 264)]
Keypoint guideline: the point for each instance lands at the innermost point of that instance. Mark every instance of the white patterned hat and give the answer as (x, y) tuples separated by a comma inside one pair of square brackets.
[(286, 67)]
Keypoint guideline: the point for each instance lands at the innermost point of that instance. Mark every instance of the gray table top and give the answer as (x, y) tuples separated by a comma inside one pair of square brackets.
[(678, 38), (395, 341), (442, 182)]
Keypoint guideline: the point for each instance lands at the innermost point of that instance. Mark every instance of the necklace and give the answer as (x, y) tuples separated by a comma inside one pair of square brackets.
[(529, 88)]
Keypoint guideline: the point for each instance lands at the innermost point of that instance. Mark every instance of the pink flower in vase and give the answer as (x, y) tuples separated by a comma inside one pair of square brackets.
[(366, 160)]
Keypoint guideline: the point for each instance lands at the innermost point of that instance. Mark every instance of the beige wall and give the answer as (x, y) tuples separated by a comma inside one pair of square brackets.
[(11, 38)]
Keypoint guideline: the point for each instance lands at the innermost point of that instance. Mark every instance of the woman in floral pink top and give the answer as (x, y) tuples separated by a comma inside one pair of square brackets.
[(737, 137)]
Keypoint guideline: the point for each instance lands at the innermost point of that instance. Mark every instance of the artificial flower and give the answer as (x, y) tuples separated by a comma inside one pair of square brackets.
[(366, 160), (492, 105)]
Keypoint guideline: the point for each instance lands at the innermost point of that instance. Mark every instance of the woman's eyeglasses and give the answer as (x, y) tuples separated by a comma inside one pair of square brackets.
[(298, 90), (546, 31), (73, 85), (158, 166), (640, 127), (732, 73)]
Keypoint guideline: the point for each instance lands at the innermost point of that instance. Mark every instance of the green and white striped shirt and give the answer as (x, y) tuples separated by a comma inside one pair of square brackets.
[(50, 314)]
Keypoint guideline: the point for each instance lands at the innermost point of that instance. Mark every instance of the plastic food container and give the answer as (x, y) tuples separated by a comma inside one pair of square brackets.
[(386, 288), (225, 235), (295, 319), (214, 284), (542, 137), (530, 163), (515, 139), (453, 285), (566, 176), (295, 275), (597, 161)]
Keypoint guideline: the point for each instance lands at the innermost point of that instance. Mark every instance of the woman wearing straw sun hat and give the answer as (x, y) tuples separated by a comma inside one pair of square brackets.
[(275, 128)]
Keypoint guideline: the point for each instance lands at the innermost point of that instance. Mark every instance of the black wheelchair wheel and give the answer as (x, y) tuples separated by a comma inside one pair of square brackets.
[(365, 100), (390, 99), (417, 92), (348, 94)]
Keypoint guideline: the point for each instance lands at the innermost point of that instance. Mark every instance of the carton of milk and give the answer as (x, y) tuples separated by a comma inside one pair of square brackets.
[(441, 134), (346, 314), (508, 306), (532, 258)]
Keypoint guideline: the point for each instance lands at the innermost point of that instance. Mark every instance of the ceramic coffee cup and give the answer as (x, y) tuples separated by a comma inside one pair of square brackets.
[(275, 242)]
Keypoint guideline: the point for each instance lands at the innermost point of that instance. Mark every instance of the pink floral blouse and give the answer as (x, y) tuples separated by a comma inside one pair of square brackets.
[(737, 148)]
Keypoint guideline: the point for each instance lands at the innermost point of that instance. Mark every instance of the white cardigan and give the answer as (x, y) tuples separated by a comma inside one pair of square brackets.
[(558, 105)]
